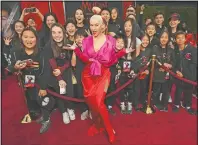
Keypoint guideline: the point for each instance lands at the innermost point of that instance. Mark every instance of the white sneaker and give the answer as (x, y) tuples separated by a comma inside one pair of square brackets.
[(71, 114), (66, 118), (84, 115)]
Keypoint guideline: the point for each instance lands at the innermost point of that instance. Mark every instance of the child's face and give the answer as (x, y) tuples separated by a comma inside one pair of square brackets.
[(164, 39), (145, 41), (159, 19), (128, 28), (78, 40), (180, 39), (19, 27), (71, 29), (119, 44), (174, 23), (151, 30), (114, 14)]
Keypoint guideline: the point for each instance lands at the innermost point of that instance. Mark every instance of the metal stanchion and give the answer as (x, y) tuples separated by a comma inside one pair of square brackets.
[(149, 109)]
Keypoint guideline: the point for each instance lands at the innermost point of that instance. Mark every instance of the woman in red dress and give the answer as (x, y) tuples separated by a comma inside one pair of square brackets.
[(98, 54)]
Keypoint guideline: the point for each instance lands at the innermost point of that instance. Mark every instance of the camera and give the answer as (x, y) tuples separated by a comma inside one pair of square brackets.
[(30, 10), (28, 61)]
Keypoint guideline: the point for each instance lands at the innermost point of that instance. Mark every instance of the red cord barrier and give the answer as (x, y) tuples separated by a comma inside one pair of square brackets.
[(175, 75), (108, 95)]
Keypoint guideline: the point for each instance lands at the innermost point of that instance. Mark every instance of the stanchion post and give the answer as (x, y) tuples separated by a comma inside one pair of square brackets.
[(149, 109)]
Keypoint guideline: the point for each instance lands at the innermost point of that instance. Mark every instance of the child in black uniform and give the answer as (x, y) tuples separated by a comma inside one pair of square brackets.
[(79, 65), (127, 70), (115, 72), (186, 67), (164, 55), (142, 60)]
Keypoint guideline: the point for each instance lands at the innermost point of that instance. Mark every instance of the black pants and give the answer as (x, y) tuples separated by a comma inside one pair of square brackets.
[(110, 101), (187, 90), (62, 104), (78, 93), (161, 88), (31, 99), (132, 90), (144, 90)]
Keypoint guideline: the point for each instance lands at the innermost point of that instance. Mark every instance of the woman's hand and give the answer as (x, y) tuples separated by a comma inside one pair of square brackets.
[(179, 74), (70, 47), (129, 50), (88, 32), (56, 72), (146, 72), (20, 65), (7, 40), (112, 34), (161, 69), (42, 93), (62, 84), (168, 65), (96, 10)]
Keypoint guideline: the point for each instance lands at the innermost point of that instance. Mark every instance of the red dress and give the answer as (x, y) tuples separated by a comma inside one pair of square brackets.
[(96, 78)]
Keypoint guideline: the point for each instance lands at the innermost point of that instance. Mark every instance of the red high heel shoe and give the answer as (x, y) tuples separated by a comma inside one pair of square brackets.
[(111, 134), (93, 130)]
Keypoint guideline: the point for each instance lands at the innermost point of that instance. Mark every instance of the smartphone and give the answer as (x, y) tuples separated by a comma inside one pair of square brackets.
[(30, 10), (62, 91)]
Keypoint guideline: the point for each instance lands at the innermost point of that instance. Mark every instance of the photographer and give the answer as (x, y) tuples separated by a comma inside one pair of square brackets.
[(31, 22)]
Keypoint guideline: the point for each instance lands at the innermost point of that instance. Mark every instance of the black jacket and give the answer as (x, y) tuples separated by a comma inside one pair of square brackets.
[(159, 30), (37, 71), (65, 57), (143, 58), (163, 55), (186, 62)]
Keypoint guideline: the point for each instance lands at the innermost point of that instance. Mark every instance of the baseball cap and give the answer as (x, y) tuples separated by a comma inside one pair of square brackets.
[(174, 16)]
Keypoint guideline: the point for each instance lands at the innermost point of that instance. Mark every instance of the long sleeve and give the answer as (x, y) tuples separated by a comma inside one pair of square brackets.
[(80, 54), (115, 57), (53, 64), (64, 67), (14, 59)]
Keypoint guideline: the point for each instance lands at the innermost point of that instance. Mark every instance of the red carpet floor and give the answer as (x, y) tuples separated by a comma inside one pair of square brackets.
[(137, 129)]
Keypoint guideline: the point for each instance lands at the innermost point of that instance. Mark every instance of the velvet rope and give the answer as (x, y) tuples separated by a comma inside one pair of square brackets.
[(175, 75), (108, 95)]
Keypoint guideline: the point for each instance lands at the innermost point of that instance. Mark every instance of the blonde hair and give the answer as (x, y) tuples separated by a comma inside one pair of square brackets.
[(97, 17)]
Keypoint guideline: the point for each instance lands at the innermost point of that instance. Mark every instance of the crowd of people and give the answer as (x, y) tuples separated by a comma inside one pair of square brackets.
[(88, 60)]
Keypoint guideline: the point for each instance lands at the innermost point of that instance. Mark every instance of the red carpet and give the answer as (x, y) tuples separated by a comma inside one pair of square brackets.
[(137, 129)]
